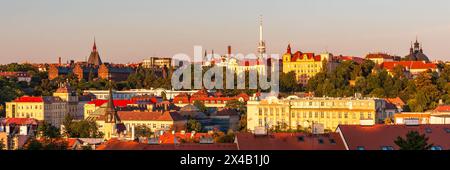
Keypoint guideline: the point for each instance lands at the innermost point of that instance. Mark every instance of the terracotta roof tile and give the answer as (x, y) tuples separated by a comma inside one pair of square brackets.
[(290, 141), (377, 136)]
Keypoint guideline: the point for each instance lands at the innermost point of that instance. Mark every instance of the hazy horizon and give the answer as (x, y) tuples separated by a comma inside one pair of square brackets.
[(129, 31)]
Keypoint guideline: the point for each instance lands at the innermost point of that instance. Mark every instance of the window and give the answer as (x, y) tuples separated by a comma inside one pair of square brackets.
[(360, 148), (320, 141), (436, 148), (332, 141), (447, 130), (346, 115), (387, 148), (361, 115)]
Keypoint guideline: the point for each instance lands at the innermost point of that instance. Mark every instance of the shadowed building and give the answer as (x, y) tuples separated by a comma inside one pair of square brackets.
[(113, 72), (94, 58), (416, 53)]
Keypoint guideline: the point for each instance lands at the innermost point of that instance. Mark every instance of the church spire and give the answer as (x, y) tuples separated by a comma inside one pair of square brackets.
[(288, 50), (94, 48), (111, 113)]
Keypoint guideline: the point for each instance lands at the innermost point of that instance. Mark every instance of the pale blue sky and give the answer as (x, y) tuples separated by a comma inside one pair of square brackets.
[(128, 31)]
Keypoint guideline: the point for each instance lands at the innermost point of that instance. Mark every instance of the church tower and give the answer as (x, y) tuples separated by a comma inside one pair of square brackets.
[(94, 57), (113, 126)]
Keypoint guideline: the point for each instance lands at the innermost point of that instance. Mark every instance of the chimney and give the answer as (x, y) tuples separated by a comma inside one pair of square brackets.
[(59, 61), (229, 51)]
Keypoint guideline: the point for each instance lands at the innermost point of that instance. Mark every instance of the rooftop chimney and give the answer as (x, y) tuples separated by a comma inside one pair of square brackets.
[(59, 61), (229, 51)]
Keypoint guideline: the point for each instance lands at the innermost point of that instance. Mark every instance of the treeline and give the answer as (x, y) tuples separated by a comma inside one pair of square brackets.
[(424, 92)]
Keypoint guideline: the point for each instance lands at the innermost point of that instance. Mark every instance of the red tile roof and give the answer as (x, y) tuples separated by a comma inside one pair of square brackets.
[(117, 103), (289, 141), (227, 112), (29, 99), (114, 144), (21, 121), (377, 136), (300, 55), (168, 138), (408, 64), (396, 101), (379, 55), (443, 108), (358, 60), (147, 116)]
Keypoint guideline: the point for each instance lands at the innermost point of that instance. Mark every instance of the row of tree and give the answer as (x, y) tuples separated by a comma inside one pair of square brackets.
[(421, 93)]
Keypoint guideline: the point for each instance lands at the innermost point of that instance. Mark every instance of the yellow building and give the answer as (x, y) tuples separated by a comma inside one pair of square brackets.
[(295, 113), (306, 65), (48, 108), (121, 124), (52, 109)]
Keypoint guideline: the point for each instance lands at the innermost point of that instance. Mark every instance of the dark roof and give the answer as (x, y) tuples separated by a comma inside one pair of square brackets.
[(114, 144), (377, 136), (147, 116), (289, 141), (94, 58)]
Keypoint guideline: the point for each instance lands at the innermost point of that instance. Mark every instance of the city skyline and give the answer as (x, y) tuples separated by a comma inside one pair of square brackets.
[(33, 33)]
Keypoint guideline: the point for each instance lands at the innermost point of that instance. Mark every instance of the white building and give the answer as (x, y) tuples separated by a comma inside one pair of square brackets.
[(128, 94)]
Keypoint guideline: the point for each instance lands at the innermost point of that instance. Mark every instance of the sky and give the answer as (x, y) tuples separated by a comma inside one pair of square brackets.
[(129, 31)]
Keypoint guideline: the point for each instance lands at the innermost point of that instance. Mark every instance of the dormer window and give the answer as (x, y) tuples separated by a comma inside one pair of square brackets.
[(387, 148)]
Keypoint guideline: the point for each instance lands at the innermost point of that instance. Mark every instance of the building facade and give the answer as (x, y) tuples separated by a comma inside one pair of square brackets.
[(306, 65), (157, 62), (51, 109), (297, 113)]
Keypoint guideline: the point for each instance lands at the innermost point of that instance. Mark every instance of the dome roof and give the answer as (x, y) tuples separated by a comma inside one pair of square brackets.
[(417, 57)]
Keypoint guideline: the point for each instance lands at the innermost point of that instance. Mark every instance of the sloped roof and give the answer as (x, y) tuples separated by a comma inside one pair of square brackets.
[(29, 99), (21, 121), (376, 136), (147, 116), (408, 64), (443, 108), (115, 144), (289, 141)]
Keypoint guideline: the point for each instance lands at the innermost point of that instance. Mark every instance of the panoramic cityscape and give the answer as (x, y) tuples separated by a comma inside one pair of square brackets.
[(257, 90)]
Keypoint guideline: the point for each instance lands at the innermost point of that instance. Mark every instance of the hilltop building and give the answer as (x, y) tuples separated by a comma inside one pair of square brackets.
[(416, 53)]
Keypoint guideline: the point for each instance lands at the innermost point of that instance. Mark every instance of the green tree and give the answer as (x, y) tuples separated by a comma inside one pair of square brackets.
[(243, 123), (200, 106), (194, 125), (236, 104), (413, 141), (143, 131), (2, 145), (34, 144), (288, 83), (49, 131), (81, 129)]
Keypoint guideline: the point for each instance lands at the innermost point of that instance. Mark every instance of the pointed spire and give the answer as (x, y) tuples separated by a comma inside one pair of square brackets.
[(111, 113), (289, 51), (94, 48)]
